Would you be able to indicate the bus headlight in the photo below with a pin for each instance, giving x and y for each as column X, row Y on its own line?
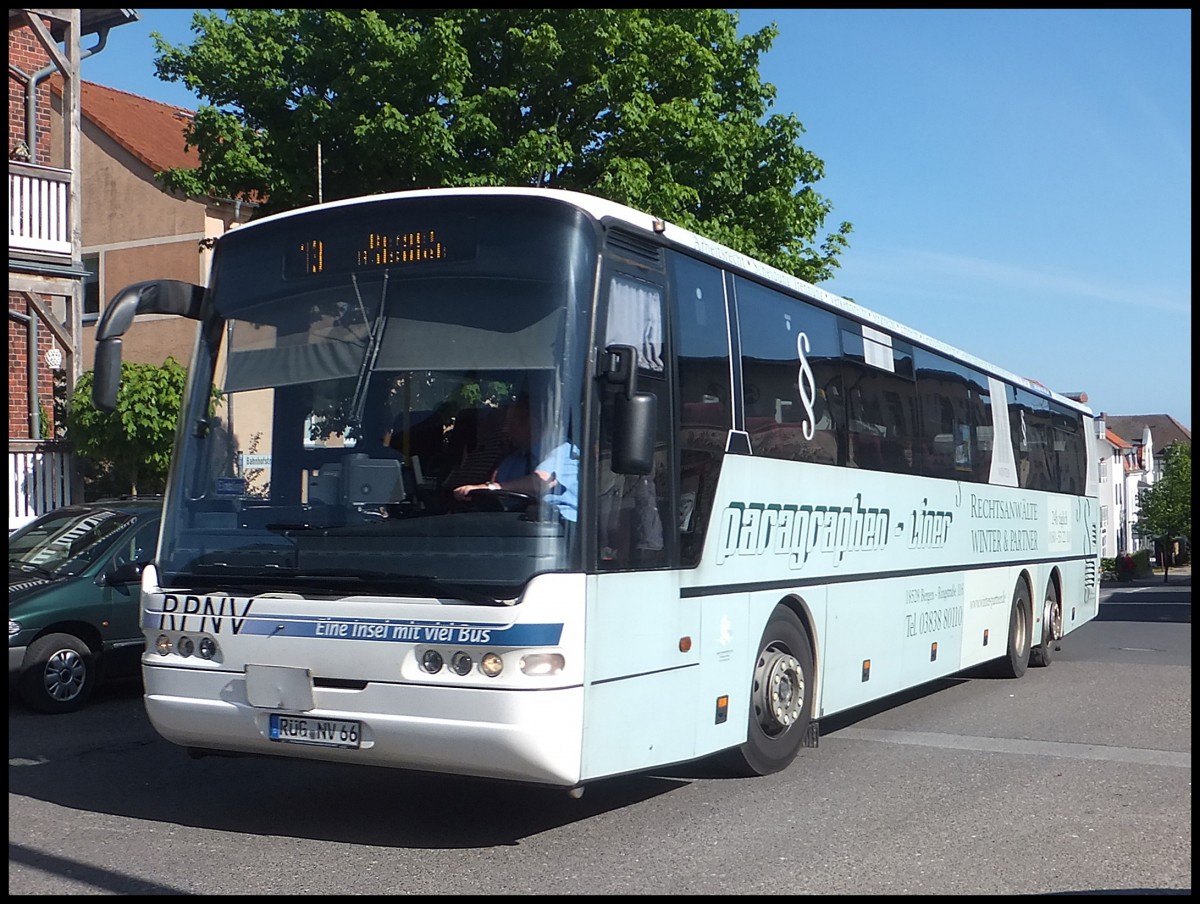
column 460, row 663
column 491, row 664
column 187, row 646
column 208, row 648
column 543, row 663
column 163, row 645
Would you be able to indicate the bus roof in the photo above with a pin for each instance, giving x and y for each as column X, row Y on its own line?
column 601, row 208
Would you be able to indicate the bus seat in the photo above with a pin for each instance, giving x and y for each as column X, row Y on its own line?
column 479, row 448
column 705, row 414
column 865, row 451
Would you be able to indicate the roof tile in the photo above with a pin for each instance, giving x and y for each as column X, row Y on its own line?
column 151, row 131
column 1164, row 429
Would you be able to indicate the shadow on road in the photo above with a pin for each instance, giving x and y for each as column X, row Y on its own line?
column 1145, row 612
column 107, row 758
column 1146, row 601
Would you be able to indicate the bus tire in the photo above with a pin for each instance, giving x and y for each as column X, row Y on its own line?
column 1016, row 659
column 58, row 674
column 1043, row 654
column 781, row 698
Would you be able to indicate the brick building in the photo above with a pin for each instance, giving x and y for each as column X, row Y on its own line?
column 87, row 217
column 45, row 273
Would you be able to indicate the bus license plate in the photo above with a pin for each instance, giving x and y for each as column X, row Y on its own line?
column 322, row 732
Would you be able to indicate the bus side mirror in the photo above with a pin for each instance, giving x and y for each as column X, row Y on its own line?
column 106, row 378
column 633, row 433
column 156, row 296
column 635, row 414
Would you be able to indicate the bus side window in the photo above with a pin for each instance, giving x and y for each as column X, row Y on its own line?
column 1070, row 450
column 955, row 420
column 704, row 416
column 789, row 359
column 1033, row 443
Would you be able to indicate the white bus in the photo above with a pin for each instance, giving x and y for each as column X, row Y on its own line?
column 756, row 504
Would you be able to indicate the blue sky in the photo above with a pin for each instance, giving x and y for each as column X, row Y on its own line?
column 1019, row 181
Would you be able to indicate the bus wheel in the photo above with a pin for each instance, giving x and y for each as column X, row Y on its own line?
column 58, row 674
column 781, row 698
column 1043, row 654
column 1016, row 660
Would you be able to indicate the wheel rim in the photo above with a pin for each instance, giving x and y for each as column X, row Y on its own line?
column 1022, row 631
column 1053, row 619
column 64, row 675
column 778, row 691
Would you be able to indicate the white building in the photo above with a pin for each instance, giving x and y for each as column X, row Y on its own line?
column 1139, row 475
column 1146, row 438
column 1111, row 450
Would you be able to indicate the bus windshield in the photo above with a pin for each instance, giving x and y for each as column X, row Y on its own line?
column 357, row 374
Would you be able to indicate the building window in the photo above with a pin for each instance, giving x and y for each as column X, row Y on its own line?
column 91, row 287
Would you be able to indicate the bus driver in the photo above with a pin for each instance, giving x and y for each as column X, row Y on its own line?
column 555, row 478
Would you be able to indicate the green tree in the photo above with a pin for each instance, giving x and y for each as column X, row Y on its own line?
column 134, row 441
column 1165, row 509
column 660, row 109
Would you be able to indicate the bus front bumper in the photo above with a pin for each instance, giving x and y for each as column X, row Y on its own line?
column 519, row 735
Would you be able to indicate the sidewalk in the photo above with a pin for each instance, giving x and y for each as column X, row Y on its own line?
column 1178, row 575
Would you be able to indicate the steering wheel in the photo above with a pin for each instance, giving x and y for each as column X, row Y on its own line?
column 500, row 500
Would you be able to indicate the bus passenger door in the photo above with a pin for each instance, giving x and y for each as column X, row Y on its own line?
column 633, row 509
column 637, row 659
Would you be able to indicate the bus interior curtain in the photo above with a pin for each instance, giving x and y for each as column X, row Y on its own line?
column 289, row 365
column 635, row 318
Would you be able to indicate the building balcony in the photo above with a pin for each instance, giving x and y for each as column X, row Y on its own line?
column 38, row 211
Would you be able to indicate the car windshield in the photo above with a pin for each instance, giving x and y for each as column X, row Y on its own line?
column 63, row 543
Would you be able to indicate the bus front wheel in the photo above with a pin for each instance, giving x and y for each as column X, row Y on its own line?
column 1016, row 659
column 781, row 698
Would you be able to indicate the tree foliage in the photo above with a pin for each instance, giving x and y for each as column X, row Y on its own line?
column 135, row 439
column 1165, row 509
column 660, row 109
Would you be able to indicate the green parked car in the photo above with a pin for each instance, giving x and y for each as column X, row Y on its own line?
column 74, row 582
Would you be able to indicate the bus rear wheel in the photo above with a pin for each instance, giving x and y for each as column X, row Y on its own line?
column 1043, row 654
column 781, row 698
column 1016, row 659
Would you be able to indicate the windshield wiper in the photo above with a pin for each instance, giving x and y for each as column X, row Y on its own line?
column 29, row 566
column 359, row 400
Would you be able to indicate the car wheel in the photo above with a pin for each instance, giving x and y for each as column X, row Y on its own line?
column 58, row 674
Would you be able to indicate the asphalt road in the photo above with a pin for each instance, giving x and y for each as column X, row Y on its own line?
column 1075, row 779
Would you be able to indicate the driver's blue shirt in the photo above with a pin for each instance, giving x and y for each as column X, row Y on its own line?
column 563, row 465
column 515, row 464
